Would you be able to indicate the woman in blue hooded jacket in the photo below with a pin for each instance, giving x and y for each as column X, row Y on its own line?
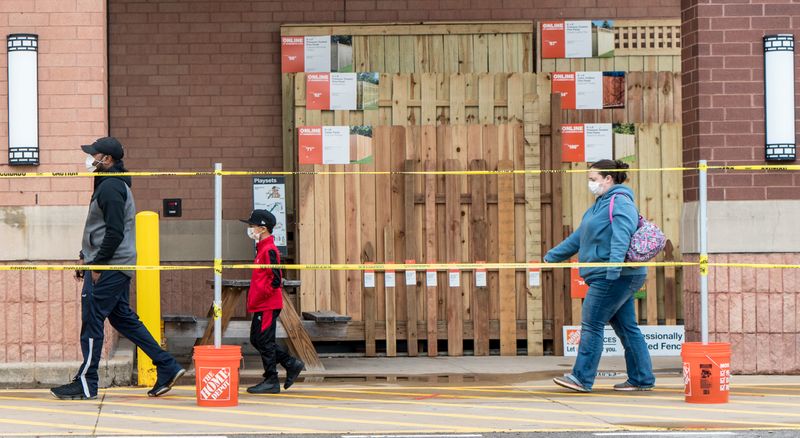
column 600, row 239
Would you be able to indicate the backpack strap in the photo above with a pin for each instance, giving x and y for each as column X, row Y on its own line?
column 611, row 207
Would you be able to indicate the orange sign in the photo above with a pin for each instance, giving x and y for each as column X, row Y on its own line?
column 318, row 91
column 578, row 287
column 573, row 143
column 292, row 54
column 310, row 145
column 553, row 39
column 564, row 83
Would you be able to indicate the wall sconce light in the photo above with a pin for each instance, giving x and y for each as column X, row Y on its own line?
column 779, row 97
column 23, row 100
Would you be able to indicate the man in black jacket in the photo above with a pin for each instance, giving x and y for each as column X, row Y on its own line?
column 109, row 239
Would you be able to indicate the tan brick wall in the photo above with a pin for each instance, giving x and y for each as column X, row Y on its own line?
column 755, row 310
column 41, row 310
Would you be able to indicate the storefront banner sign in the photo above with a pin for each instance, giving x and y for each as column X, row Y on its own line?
column 662, row 340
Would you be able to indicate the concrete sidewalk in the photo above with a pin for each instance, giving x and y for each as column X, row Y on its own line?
column 413, row 404
column 474, row 368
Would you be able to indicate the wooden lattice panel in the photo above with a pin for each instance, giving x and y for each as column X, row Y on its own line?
column 647, row 37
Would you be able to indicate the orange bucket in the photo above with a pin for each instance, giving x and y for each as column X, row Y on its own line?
column 706, row 372
column 217, row 375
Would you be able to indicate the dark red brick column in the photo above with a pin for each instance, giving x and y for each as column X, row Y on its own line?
column 751, row 214
column 723, row 93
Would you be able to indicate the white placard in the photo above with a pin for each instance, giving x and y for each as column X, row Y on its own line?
column 369, row 279
column 577, row 38
column 269, row 193
column 318, row 53
column 588, row 90
column 480, row 278
column 598, row 140
column 411, row 278
column 454, row 278
column 534, row 278
column 343, row 91
column 335, row 145
column 389, row 279
column 662, row 340
column 430, row 278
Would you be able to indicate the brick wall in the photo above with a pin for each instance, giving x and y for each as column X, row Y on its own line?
column 754, row 310
column 198, row 81
column 723, row 93
column 41, row 310
column 72, row 94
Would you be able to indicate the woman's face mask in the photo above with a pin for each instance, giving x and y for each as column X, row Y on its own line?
column 598, row 185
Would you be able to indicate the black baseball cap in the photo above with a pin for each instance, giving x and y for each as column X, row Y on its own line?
column 107, row 146
column 262, row 218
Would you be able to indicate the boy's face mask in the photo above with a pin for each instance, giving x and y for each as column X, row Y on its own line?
column 254, row 234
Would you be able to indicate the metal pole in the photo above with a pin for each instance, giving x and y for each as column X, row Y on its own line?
column 217, row 255
column 703, row 225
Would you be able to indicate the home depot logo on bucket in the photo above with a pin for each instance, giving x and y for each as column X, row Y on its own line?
column 724, row 377
column 216, row 383
column 687, row 378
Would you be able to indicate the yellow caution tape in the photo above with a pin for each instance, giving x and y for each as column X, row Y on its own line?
column 704, row 264
column 219, row 266
column 758, row 167
column 91, row 174
column 391, row 172
column 448, row 266
column 217, row 311
column 98, row 268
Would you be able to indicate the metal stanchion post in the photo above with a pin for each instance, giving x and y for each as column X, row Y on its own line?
column 703, row 233
column 217, row 255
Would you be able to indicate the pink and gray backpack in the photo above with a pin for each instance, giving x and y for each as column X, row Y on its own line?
column 647, row 241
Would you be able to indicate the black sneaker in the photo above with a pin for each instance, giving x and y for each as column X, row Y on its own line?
column 163, row 385
column 292, row 372
column 265, row 387
column 628, row 386
column 71, row 391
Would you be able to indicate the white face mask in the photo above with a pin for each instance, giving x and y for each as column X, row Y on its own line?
column 251, row 233
column 90, row 166
column 596, row 188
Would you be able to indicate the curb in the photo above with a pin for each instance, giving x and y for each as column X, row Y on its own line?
column 114, row 371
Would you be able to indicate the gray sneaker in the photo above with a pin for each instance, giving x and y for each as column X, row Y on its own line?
column 628, row 386
column 570, row 383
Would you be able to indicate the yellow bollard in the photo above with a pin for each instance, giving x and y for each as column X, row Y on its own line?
column 148, row 289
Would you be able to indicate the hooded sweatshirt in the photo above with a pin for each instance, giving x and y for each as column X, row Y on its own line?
column 109, row 236
column 600, row 240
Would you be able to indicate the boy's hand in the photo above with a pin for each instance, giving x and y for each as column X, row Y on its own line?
column 95, row 277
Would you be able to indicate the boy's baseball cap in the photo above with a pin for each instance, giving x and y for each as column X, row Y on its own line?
column 107, row 146
column 262, row 218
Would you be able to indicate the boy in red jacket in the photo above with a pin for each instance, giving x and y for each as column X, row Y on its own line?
column 265, row 301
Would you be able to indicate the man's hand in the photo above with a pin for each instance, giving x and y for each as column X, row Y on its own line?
column 95, row 277
column 79, row 273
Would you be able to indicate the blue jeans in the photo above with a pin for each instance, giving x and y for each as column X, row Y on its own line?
column 611, row 301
